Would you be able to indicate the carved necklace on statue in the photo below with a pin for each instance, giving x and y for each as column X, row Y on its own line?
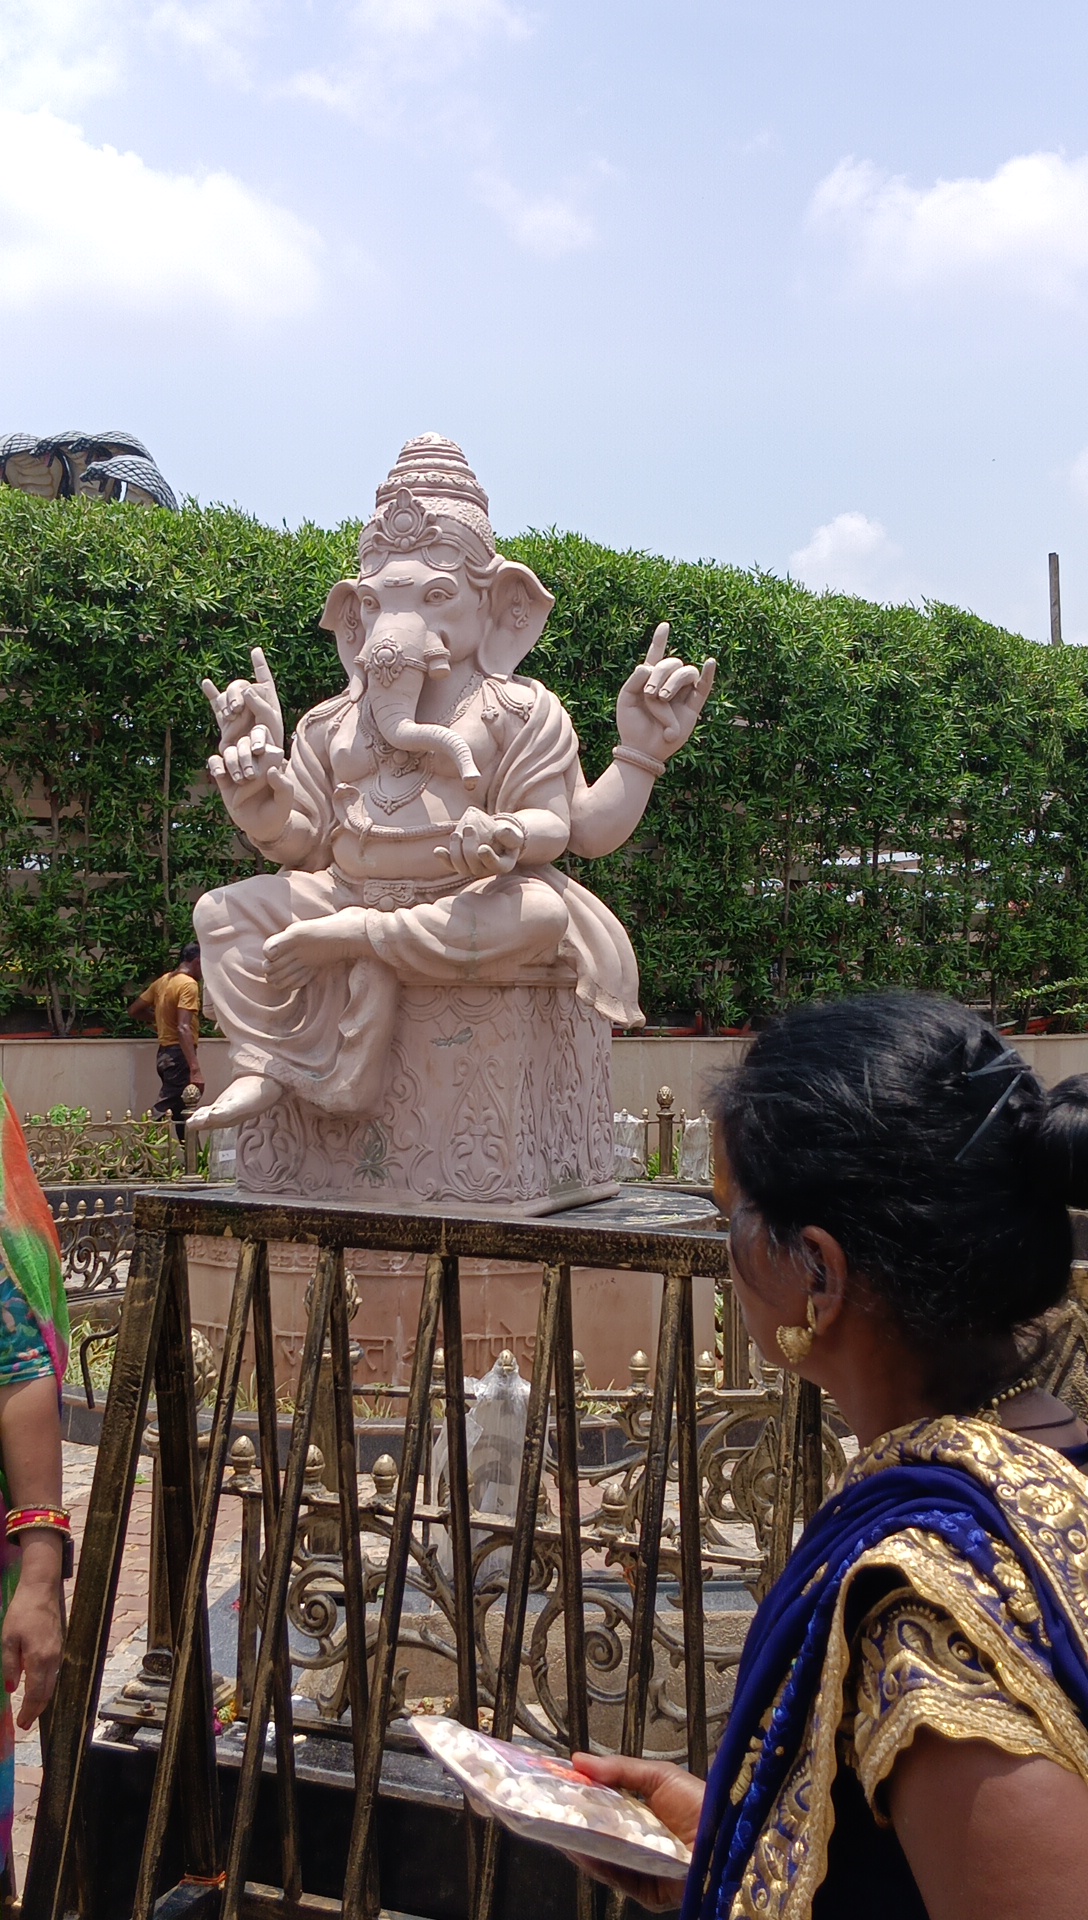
column 408, row 771
column 503, row 691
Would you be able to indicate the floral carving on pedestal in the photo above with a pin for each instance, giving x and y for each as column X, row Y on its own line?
column 498, row 1096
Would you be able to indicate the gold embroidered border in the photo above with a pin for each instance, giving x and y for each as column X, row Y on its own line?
column 911, row 1674
column 1046, row 1501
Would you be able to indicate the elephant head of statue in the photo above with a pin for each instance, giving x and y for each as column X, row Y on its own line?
column 431, row 593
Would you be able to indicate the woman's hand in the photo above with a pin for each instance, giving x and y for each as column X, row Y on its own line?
column 673, row 1794
column 33, row 1633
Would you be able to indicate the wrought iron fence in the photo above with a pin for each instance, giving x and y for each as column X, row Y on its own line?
column 608, row 1609
column 81, row 1151
column 581, row 1616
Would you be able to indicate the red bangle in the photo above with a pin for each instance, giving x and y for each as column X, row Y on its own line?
column 23, row 1519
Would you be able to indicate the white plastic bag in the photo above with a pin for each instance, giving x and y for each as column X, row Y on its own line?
column 628, row 1147
column 495, row 1439
column 540, row 1796
column 695, row 1151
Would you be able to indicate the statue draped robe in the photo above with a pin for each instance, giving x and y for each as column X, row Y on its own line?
column 328, row 1041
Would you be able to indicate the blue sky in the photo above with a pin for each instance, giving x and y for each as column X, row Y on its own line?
column 790, row 284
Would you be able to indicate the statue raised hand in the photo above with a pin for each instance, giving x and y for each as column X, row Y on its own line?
column 656, row 713
column 249, row 768
column 659, row 705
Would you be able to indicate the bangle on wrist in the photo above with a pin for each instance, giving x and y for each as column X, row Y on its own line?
column 635, row 758
column 43, row 1520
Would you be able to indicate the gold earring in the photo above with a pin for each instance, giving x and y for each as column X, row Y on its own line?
column 796, row 1342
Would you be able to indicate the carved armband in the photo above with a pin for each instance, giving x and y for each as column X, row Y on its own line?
column 635, row 758
column 511, row 820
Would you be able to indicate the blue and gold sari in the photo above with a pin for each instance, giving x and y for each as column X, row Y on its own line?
column 944, row 1583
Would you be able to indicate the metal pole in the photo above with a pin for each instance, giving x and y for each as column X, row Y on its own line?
column 1055, row 603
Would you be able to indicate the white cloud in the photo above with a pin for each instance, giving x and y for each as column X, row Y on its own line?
column 1026, row 226
column 421, row 19
column 59, row 53
column 850, row 554
column 393, row 51
column 86, row 223
column 220, row 33
column 544, row 224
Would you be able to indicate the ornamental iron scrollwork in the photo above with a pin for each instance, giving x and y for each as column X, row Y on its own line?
column 737, row 1446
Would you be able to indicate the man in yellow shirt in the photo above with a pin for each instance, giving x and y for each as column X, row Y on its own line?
column 173, row 1002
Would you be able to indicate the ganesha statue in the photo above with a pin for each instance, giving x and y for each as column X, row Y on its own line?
column 419, row 1002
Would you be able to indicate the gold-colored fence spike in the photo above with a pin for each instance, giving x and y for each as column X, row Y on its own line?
column 243, row 1458
column 385, row 1476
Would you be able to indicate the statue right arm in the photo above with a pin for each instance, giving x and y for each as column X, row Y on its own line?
column 281, row 805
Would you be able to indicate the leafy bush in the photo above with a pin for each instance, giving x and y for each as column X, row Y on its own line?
column 908, row 802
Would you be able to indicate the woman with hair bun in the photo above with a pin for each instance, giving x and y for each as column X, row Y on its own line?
column 909, row 1734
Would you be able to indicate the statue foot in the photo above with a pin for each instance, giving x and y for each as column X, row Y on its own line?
column 250, row 1094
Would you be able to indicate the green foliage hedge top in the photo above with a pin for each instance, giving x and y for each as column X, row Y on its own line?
column 908, row 802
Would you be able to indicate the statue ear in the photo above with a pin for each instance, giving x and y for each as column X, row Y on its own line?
column 518, row 605
column 341, row 616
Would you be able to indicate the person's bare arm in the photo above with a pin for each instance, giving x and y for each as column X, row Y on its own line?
column 142, row 1008
column 988, row 1835
column 187, row 1039
column 33, row 1633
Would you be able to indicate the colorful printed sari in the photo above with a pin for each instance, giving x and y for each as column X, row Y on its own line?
column 30, row 1258
column 989, row 1531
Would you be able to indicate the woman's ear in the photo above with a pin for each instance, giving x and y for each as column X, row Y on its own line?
column 518, row 606
column 825, row 1260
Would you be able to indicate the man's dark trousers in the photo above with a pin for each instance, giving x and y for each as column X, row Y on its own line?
column 173, row 1071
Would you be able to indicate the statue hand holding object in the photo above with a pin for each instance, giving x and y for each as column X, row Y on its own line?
column 481, row 845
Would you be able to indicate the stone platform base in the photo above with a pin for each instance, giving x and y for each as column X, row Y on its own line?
column 497, row 1097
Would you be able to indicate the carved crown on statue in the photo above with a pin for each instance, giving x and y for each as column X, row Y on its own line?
column 419, row 1003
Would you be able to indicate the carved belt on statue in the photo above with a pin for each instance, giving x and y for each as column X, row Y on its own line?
column 387, row 895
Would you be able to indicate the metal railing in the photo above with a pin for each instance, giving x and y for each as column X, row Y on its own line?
column 608, row 1610
column 582, row 1617
column 83, row 1151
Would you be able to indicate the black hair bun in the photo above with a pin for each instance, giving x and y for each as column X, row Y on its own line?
column 1061, row 1140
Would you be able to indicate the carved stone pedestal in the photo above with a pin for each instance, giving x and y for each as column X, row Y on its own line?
column 496, row 1097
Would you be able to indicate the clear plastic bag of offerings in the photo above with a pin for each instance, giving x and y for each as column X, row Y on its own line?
column 542, row 1797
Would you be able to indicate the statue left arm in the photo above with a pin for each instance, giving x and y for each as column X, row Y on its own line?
column 483, row 844
column 655, row 716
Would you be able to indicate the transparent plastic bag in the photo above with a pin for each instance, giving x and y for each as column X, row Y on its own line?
column 495, row 1438
column 695, row 1151
column 542, row 1797
column 628, row 1146
column 223, row 1154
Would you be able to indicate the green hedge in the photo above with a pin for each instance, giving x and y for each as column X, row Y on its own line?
column 773, row 862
